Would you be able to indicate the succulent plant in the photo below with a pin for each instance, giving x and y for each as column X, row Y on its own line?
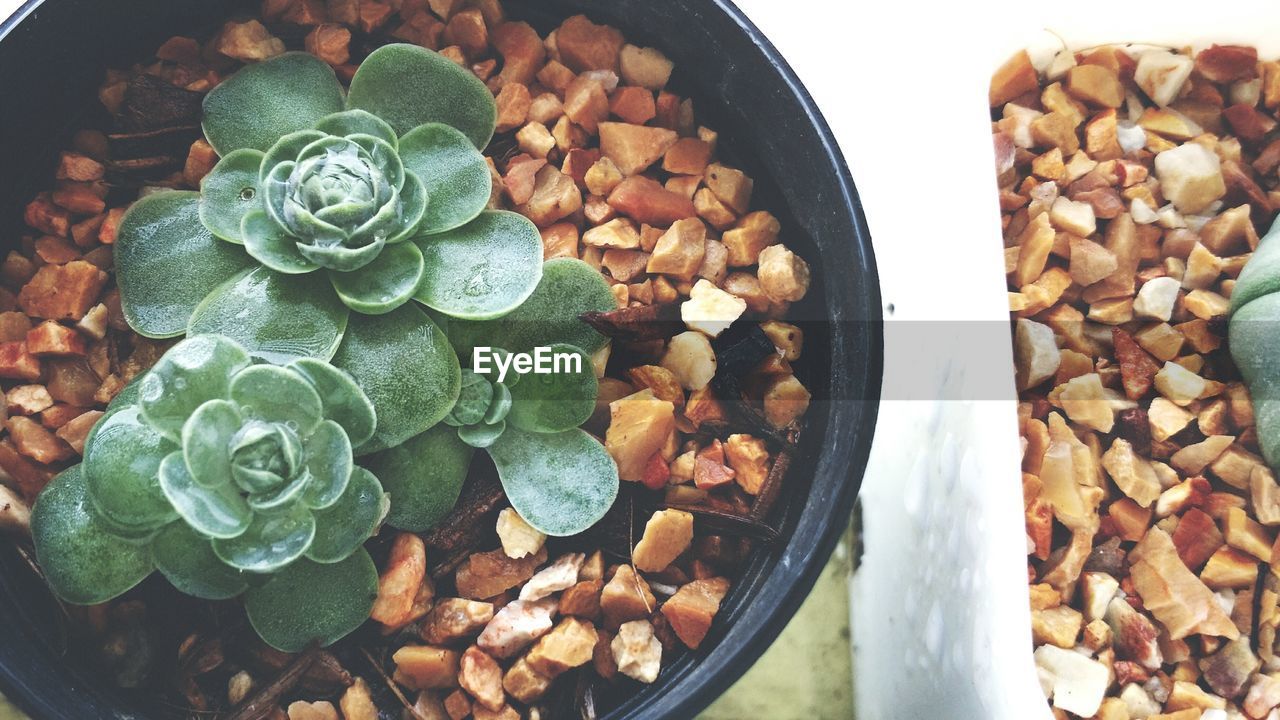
column 560, row 479
column 557, row 477
column 326, row 215
column 1254, row 338
column 229, row 477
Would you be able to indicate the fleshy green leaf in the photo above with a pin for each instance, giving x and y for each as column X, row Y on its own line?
column 343, row 527
column 187, row 561
column 557, row 401
column 384, row 157
column 328, row 458
column 311, row 601
column 414, row 201
column 286, row 150
column 273, row 500
column 453, row 171
column 265, row 101
column 272, row 541
column 474, row 398
column 167, row 261
column 276, row 317
column 406, row 367
column 500, row 407
column 423, row 476
column 122, row 465
column 206, row 441
column 342, row 258
column 358, row 122
column 82, row 560
column 344, row 402
column 278, row 395
column 191, row 373
column 560, row 483
column 1255, row 347
column 270, row 245
column 568, row 288
column 214, row 512
column 482, row 435
column 384, row 284
column 408, row 86
column 483, row 269
column 230, row 192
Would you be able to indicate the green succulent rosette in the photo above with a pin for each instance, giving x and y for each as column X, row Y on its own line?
column 557, row 477
column 332, row 220
column 230, row 478
column 350, row 226
column 560, row 479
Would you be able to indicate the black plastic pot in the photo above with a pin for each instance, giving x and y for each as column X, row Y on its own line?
column 52, row 55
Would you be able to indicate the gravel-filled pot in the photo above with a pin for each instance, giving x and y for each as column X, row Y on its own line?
column 52, row 53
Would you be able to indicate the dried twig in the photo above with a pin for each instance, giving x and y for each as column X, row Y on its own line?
column 260, row 704
column 719, row 522
column 639, row 323
column 395, row 689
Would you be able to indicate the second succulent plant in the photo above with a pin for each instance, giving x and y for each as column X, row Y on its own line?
column 228, row 477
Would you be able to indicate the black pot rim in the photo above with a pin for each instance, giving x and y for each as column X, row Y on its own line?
column 43, row 694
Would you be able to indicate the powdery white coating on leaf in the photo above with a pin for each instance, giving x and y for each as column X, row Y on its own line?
column 270, row 99
column 384, row 284
column 272, row 541
column 329, row 460
column 274, row 394
column 403, row 362
column 289, row 613
column 206, row 441
column 229, row 193
column 408, row 86
column 122, row 462
column 483, row 269
column 187, row 561
column 270, row 245
column 423, row 476
column 214, row 512
column 344, row 526
column 567, row 289
column 82, row 561
column 344, row 402
column 560, row 483
column 167, row 262
column 358, row 122
column 278, row 318
column 191, row 373
column 453, row 172
column 556, row 401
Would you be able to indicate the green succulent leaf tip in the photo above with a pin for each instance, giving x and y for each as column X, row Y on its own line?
column 480, row 414
column 1254, row 339
column 225, row 469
